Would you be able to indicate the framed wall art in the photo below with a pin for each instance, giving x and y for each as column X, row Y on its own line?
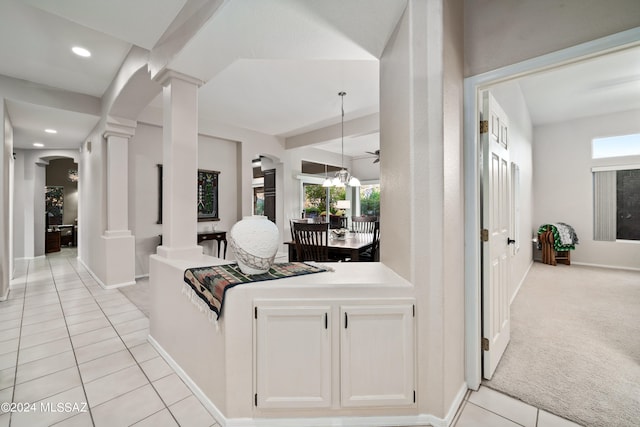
column 207, row 195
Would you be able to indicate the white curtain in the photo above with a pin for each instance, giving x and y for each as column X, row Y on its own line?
column 604, row 200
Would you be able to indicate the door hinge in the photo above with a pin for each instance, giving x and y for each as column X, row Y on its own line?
column 484, row 126
column 485, row 344
column 484, row 235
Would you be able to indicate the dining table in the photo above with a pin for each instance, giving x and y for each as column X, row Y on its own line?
column 350, row 246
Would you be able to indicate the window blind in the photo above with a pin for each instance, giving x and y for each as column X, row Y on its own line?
column 604, row 199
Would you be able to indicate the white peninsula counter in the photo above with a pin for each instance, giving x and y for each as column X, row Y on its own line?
column 330, row 348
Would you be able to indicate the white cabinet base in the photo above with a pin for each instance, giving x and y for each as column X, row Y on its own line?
column 330, row 354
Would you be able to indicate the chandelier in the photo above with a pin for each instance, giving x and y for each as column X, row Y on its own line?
column 342, row 177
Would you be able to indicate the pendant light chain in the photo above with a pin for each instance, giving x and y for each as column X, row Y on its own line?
column 342, row 94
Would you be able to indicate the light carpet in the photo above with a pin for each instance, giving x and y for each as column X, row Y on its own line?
column 575, row 345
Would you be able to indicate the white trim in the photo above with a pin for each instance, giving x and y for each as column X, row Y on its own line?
column 6, row 294
column 614, row 168
column 524, row 277
column 209, row 406
column 613, row 267
column 338, row 421
column 472, row 85
column 141, row 276
column 100, row 282
column 31, row 258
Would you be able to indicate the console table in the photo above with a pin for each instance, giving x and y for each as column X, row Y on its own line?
column 219, row 236
column 52, row 241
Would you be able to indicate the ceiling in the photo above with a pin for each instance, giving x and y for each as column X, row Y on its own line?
column 273, row 66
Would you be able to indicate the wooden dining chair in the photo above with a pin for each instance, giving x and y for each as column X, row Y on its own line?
column 373, row 254
column 312, row 241
column 297, row 220
column 363, row 224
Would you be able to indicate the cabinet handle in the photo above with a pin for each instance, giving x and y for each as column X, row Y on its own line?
column 326, row 321
column 346, row 320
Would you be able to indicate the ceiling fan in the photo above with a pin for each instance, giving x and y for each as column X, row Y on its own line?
column 377, row 154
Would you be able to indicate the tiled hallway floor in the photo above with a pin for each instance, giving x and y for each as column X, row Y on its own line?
column 65, row 340
column 79, row 355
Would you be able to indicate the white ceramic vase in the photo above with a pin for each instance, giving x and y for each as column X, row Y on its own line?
column 254, row 241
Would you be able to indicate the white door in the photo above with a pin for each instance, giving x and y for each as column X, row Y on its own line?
column 377, row 355
column 495, row 222
column 293, row 357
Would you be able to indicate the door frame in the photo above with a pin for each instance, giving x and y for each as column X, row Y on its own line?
column 472, row 173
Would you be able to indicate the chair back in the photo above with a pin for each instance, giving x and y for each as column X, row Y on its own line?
column 363, row 224
column 375, row 249
column 312, row 241
column 297, row 220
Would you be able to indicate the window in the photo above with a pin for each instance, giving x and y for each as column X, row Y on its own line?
column 616, row 146
column 617, row 189
column 370, row 200
column 315, row 199
column 628, row 204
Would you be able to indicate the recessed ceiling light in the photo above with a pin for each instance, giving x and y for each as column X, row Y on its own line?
column 51, row 131
column 38, row 144
column 80, row 51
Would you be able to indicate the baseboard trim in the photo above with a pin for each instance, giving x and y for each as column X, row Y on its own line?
column 347, row 421
column 524, row 277
column 6, row 295
column 100, row 282
column 612, row 267
column 208, row 404
column 30, row 258
column 455, row 405
column 142, row 276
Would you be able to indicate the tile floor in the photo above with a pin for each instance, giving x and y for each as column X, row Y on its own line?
column 80, row 354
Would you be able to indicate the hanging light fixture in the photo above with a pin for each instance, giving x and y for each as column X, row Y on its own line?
column 327, row 181
column 343, row 177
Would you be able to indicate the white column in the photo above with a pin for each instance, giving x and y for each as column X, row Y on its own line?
column 180, row 166
column 118, row 243
column 117, row 133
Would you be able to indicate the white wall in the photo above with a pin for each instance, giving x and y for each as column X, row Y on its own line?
column 501, row 33
column 563, row 183
column 365, row 170
column 92, row 203
column 510, row 97
column 145, row 153
column 421, row 188
column 6, row 146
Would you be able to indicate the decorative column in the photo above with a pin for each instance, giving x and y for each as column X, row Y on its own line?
column 180, row 166
column 118, row 242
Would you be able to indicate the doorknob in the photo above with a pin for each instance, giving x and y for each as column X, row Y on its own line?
column 510, row 241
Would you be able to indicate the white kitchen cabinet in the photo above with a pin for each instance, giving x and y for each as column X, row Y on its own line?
column 293, row 357
column 373, row 364
column 377, row 355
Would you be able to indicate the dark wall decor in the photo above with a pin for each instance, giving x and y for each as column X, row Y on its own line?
column 54, row 202
column 207, row 196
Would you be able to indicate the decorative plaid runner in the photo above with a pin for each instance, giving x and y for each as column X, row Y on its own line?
column 210, row 284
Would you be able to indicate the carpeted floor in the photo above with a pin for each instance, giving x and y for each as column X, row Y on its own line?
column 575, row 345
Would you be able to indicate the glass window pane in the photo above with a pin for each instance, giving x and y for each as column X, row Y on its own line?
column 370, row 200
column 628, row 204
column 616, row 146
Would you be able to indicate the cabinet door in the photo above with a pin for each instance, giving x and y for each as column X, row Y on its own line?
column 377, row 355
column 293, row 357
